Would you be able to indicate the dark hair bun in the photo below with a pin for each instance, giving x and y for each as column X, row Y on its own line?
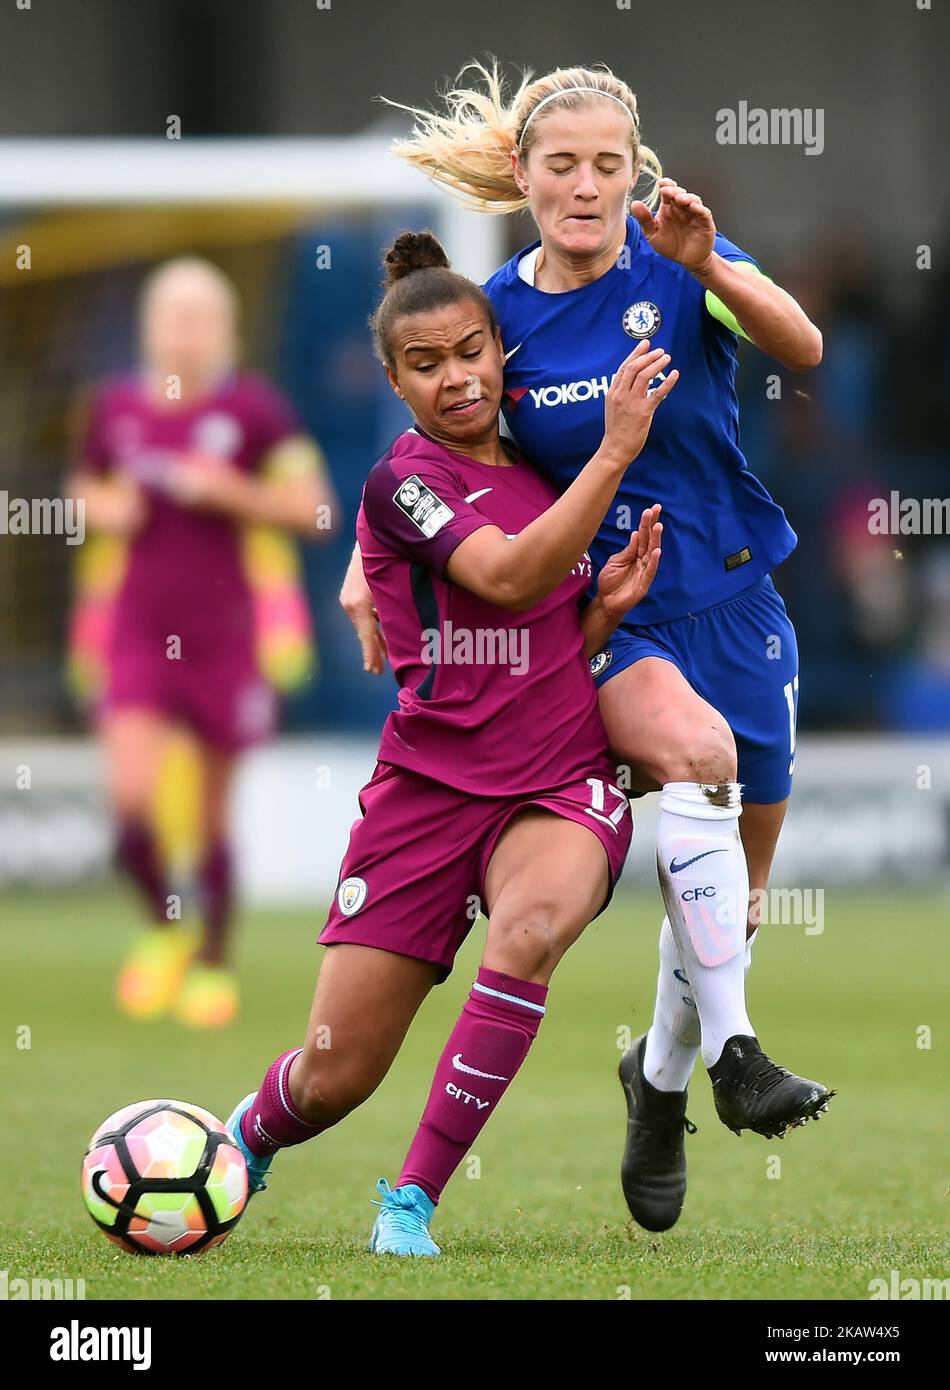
column 413, row 251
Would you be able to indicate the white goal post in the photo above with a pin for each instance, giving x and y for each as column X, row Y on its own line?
column 345, row 171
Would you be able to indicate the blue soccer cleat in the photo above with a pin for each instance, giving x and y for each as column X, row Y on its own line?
column 402, row 1226
column 256, row 1166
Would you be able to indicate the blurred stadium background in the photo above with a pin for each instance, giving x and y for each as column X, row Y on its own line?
column 283, row 151
column 98, row 209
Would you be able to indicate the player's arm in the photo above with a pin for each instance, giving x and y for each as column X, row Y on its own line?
column 114, row 505
column 748, row 302
column 684, row 231
column 624, row 580
column 516, row 573
column 294, row 491
column 111, row 501
column 356, row 599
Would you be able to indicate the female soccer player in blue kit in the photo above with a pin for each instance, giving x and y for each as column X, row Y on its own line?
column 699, row 693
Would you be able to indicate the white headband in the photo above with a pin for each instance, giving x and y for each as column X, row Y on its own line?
column 567, row 90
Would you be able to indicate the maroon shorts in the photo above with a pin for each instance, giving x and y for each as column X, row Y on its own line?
column 217, row 692
column 413, row 878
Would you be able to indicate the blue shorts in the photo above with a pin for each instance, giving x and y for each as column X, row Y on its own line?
column 742, row 657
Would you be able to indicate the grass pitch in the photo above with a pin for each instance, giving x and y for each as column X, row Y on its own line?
column 541, row 1214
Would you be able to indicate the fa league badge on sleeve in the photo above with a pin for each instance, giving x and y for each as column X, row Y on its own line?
column 424, row 508
column 642, row 319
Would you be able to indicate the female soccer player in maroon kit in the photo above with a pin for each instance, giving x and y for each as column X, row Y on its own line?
column 171, row 460
column 493, row 783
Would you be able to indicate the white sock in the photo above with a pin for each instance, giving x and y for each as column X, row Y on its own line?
column 705, row 884
column 674, row 1037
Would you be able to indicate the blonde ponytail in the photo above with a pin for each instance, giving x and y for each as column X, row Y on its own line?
column 467, row 148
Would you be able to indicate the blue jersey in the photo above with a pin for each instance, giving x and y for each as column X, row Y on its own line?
column 723, row 531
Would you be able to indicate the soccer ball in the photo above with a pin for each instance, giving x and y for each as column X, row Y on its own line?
column 164, row 1177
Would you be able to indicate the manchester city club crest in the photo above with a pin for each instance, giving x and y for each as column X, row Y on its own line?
column 600, row 662
column 642, row 320
column 352, row 895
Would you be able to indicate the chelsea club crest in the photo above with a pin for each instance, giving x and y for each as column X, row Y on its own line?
column 642, row 320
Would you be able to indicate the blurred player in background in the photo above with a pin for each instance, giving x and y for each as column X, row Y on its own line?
column 179, row 459
column 699, row 691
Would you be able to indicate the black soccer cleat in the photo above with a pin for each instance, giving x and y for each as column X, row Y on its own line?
column 653, row 1172
column 751, row 1092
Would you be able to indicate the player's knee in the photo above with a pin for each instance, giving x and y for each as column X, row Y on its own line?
column 704, row 752
column 526, row 939
column 131, row 799
column 712, row 754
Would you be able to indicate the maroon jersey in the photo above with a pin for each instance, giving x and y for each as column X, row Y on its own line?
column 185, row 572
column 492, row 702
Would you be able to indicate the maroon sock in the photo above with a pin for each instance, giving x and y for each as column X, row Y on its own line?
column 216, row 887
column 137, row 853
column 272, row 1120
column 488, row 1044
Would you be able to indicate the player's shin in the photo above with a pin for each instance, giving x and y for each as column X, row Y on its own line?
column 152, row 972
column 217, row 901
column 209, row 994
column 487, row 1046
column 673, row 1041
column 138, row 854
column 705, row 884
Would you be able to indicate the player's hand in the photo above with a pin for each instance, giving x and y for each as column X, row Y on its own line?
column 683, row 229
column 630, row 402
column 194, row 480
column 128, row 508
column 356, row 600
column 115, row 505
column 626, row 577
